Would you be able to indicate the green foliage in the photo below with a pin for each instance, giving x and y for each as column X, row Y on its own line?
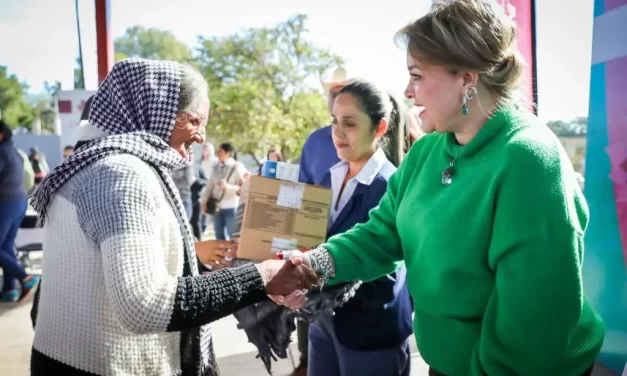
column 150, row 44
column 575, row 128
column 15, row 110
column 264, row 87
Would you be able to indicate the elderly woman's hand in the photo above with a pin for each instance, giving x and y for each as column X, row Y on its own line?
column 283, row 278
column 214, row 252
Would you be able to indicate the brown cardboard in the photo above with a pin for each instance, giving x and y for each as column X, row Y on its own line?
column 280, row 215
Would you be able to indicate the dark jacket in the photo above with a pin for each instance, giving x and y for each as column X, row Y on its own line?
column 11, row 173
column 383, row 306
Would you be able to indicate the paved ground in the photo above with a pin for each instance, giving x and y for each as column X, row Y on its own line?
column 236, row 356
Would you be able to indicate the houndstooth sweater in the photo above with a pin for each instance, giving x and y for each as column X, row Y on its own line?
column 118, row 297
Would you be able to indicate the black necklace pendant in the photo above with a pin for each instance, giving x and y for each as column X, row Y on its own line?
column 447, row 176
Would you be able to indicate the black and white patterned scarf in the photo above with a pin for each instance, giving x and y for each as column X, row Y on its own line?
column 137, row 106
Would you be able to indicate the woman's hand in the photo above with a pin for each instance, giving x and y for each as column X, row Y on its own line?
column 282, row 278
column 295, row 300
column 213, row 252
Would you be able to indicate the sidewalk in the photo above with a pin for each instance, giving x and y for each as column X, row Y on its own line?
column 236, row 356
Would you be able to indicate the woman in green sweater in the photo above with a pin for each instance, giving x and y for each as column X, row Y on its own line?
column 486, row 213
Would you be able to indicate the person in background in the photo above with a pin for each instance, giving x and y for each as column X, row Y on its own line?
column 29, row 174
column 206, row 164
column 67, row 151
column 184, row 178
column 317, row 157
column 486, row 213
column 273, row 155
column 39, row 164
column 369, row 132
column 13, row 205
column 221, row 196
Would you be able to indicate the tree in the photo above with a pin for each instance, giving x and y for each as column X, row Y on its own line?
column 15, row 110
column 264, row 86
column 577, row 127
column 150, row 43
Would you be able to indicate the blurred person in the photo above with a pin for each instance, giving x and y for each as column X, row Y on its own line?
column 39, row 164
column 68, row 151
column 183, row 179
column 272, row 155
column 221, row 196
column 207, row 163
column 13, row 205
column 123, row 292
column 486, row 213
column 369, row 133
column 29, row 174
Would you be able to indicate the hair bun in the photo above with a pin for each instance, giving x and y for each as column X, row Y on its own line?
column 509, row 71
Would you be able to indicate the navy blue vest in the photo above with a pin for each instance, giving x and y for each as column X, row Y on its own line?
column 380, row 314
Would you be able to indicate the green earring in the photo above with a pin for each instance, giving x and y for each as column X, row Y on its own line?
column 468, row 95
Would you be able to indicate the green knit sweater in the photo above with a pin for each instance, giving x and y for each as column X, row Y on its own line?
column 494, row 259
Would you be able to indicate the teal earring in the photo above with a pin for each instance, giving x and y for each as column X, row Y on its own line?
column 470, row 93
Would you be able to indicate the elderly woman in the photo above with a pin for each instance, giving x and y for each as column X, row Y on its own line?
column 486, row 213
column 122, row 292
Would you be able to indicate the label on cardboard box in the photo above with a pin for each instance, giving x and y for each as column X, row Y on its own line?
column 290, row 195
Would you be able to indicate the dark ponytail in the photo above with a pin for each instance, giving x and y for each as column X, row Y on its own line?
column 380, row 105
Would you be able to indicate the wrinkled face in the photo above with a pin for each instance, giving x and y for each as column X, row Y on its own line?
column 189, row 128
column 354, row 136
column 438, row 92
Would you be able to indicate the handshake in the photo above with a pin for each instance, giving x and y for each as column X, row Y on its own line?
column 287, row 281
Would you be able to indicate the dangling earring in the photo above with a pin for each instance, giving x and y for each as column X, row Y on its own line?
column 470, row 93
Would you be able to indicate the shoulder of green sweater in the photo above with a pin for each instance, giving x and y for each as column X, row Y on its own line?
column 535, row 168
column 528, row 143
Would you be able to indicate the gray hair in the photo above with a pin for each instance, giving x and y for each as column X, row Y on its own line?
column 193, row 88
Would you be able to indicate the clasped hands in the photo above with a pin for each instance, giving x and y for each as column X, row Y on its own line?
column 286, row 281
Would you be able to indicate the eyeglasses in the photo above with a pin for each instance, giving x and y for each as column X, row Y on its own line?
column 197, row 120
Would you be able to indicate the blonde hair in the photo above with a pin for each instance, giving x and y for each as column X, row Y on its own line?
column 468, row 35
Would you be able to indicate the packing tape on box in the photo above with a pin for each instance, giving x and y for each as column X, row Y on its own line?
column 290, row 195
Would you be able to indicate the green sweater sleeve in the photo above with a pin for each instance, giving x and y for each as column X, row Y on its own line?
column 373, row 249
column 536, row 252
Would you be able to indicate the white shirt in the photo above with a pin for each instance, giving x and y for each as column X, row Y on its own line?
column 377, row 164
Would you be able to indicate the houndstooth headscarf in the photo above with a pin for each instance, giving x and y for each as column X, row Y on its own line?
column 136, row 105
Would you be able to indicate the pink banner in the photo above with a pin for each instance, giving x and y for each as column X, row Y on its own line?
column 522, row 12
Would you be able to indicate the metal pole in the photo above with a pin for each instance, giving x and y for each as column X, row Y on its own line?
column 80, row 46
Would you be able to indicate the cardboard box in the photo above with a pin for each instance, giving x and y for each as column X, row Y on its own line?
column 276, row 215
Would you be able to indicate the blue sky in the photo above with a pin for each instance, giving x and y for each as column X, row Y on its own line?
column 39, row 37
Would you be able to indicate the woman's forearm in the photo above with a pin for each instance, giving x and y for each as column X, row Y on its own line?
column 207, row 298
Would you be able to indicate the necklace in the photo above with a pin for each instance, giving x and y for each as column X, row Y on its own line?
column 447, row 174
